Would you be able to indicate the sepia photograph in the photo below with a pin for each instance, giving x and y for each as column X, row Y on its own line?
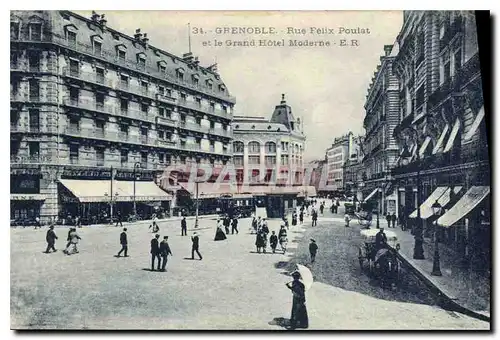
column 250, row 170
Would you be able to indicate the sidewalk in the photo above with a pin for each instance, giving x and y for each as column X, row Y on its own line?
column 453, row 284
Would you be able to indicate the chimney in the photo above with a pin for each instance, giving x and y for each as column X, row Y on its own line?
column 196, row 61
column 283, row 101
column 103, row 21
column 188, row 57
column 138, row 34
column 94, row 16
column 387, row 49
column 145, row 39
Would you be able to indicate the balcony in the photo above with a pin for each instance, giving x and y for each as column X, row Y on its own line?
column 32, row 159
column 166, row 143
column 165, row 121
column 144, row 139
column 87, row 104
column 194, row 127
column 135, row 114
column 199, row 108
column 89, row 77
column 26, row 129
column 165, row 98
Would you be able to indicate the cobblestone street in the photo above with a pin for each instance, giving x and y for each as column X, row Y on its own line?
column 233, row 287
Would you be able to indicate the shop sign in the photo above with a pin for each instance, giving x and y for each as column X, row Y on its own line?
column 27, row 197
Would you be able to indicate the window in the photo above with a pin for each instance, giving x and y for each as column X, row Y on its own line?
column 97, row 48
column 34, row 90
column 254, row 147
column 123, row 104
column 99, row 155
column 124, row 81
column 224, row 108
column 161, row 111
column 74, row 124
column 198, row 101
column 169, row 92
column 161, row 134
column 238, row 160
column 74, row 94
column 122, row 55
column 99, row 100
column 194, row 79
column 124, row 128
column 14, row 117
column 212, row 107
column 34, row 149
column 14, row 30
column 14, row 59
column 144, row 159
column 161, row 158
column 162, row 68
column 420, row 96
column 198, row 121
column 74, row 68
column 270, row 160
column 284, row 159
column 141, row 62
column 124, row 157
column 144, row 108
column 212, row 125
column 168, row 113
column 99, row 75
column 457, row 61
column 144, row 131
column 161, row 90
column 183, row 118
column 144, row 87
column 36, row 32
column 179, row 74
column 34, row 61
column 99, row 125
column 183, row 97
column 71, row 36
column 270, row 147
column 34, row 120
column 253, row 160
column 74, row 153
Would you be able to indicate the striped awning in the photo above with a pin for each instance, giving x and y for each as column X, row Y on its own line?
column 464, row 206
column 440, row 141
column 440, row 194
column 371, row 195
column 475, row 124
column 453, row 135
column 424, row 146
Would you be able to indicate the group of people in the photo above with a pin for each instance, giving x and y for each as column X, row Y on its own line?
column 391, row 219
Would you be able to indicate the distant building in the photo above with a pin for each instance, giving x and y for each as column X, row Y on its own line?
column 316, row 174
column 336, row 156
column 353, row 167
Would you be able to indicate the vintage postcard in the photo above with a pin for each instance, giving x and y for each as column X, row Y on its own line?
column 250, row 170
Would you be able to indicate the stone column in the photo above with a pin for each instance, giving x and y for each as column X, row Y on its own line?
column 48, row 187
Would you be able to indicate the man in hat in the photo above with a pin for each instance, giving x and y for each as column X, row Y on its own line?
column 273, row 241
column 164, row 251
column 234, row 225
column 183, row 226
column 196, row 245
column 155, row 252
column 313, row 249
column 123, row 242
column 51, row 239
column 299, row 318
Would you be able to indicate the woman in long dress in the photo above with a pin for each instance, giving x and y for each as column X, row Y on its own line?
column 219, row 234
column 299, row 318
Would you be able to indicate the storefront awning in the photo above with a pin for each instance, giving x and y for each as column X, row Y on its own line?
column 27, row 197
column 424, row 146
column 371, row 195
column 453, row 135
column 441, row 194
column 440, row 141
column 209, row 190
column 464, row 206
column 88, row 191
column 475, row 124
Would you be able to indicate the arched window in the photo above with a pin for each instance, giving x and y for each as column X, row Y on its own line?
column 254, row 147
column 270, row 147
column 238, row 147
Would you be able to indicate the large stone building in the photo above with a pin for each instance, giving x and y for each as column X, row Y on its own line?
column 380, row 147
column 353, row 167
column 268, row 155
column 90, row 104
column 442, row 132
column 336, row 156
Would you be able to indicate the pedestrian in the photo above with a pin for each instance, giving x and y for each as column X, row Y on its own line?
column 313, row 249
column 155, row 252
column 73, row 242
column 183, row 226
column 119, row 220
column 294, row 218
column 234, row 225
column 265, row 228
column 347, row 219
column 124, row 243
column 254, row 224
column 299, row 318
column 301, row 217
column 227, row 223
column 273, row 241
column 314, row 218
column 51, row 239
column 164, row 252
column 393, row 219
column 219, row 234
column 38, row 225
column 380, row 239
column 259, row 241
column 283, row 238
column 195, row 246
column 321, row 208
column 285, row 221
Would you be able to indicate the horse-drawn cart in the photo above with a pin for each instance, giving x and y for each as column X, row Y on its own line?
column 381, row 260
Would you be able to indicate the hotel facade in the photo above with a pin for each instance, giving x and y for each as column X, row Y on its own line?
column 96, row 115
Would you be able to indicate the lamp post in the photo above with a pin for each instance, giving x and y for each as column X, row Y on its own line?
column 110, row 204
column 136, row 165
column 197, row 206
column 418, row 250
column 379, row 194
column 436, row 266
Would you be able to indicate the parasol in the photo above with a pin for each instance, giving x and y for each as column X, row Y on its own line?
column 305, row 276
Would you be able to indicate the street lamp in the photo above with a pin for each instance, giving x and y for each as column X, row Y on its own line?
column 136, row 166
column 418, row 250
column 379, row 194
column 436, row 267
column 110, row 204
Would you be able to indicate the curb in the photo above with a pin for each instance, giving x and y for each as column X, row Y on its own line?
column 444, row 299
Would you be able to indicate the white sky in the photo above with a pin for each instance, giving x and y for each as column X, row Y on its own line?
column 325, row 86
